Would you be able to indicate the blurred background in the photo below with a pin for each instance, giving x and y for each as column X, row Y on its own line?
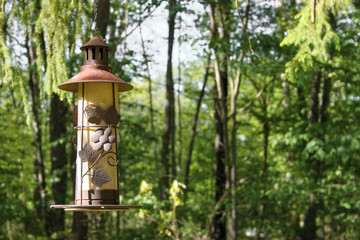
column 243, row 122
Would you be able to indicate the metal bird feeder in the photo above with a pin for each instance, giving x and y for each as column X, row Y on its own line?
column 96, row 118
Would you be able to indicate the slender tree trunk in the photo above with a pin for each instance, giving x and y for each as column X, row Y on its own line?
column 314, row 99
column 222, row 170
column 325, row 101
column 122, row 29
column 40, row 193
column 286, row 92
column 170, row 84
column 169, row 125
column 194, row 124
column 153, row 136
column 58, row 156
column 233, row 213
column 179, row 105
column 235, row 85
column 221, row 50
column 325, row 98
column 219, row 218
column 235, row 88
column 266, row 132
column 103, row 16
column 80, row 226
column 98, row 220
column 58, row 110
column 308, row 232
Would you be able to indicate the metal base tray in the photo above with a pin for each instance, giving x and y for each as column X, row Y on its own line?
column 95, row 208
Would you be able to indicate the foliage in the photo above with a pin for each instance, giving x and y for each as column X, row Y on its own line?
column 284, row 161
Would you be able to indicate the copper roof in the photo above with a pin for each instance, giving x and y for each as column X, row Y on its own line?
column 93, row 74
column 94, row 42
column 95, row 69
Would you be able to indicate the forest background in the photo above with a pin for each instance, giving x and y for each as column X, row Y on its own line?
column 242, row 123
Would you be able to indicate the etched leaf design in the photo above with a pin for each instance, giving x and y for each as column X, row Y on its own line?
column 95, row 115
column 112, row 116
column 87, row 154
column 100, row 177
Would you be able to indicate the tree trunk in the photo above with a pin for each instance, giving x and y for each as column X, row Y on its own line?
column 80, row 226
column 235, row 88
column 222, row 168
column 98, row 220
column 219, row 219
column 58, row 121
column 266, row 132
column 179, row 106
column 233, row 178
column 286, row 92
column 308, row 232
column 40, row 194
column 194, row 124
column 317, row 116
column 169, row 125
column 150, row 93
column 103, row 16
column 325, row 98
column 314, row 99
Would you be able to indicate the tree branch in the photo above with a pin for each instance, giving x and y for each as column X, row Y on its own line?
column 255, row 98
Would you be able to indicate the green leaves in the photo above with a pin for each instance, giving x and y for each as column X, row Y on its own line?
column 174, row 193
column 295, row 153
column 355, row 144
column 314, row 35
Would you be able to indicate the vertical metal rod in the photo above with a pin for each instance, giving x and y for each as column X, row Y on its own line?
column 82, row 138
column 116, row 150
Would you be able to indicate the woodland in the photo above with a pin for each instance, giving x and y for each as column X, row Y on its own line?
column 250, row 134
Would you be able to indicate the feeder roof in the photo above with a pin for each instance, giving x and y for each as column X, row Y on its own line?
column 95, row 69
column 94, row 42
column 91, row 73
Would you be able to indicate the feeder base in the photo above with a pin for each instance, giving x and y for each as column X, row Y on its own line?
column 95, row 208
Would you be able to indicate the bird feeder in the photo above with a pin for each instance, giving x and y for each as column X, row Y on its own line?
column 96, row 119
